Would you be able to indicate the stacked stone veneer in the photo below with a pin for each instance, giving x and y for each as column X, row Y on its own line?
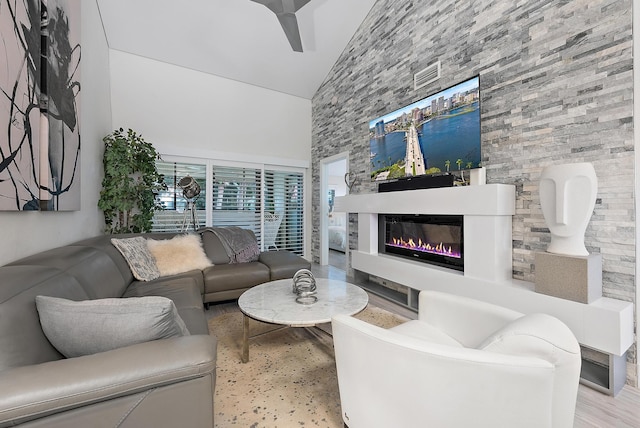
column 556, row 87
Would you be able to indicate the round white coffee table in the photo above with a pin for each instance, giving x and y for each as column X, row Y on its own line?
column 274, row 302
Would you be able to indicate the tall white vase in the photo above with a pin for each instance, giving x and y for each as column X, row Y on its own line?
column 567, row 197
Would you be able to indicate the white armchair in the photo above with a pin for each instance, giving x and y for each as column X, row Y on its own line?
column 463, row 363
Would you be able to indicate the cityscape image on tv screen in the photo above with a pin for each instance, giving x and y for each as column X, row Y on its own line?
column 438, row 134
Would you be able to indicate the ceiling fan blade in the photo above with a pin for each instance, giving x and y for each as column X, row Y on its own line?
column 285, row 11
column 297, row 4
column 289, row 24
column 275, row 6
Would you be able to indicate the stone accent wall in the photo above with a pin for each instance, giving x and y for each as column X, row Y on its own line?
column 556, row 87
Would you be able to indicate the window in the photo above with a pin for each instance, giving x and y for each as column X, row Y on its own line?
column 268, row 200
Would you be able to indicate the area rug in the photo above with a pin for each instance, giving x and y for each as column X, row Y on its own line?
column 290, row 379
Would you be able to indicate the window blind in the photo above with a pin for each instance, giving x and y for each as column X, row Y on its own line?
column 236, row 197
column 283, row 201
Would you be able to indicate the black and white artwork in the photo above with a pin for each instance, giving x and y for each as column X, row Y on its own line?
column 39, row 105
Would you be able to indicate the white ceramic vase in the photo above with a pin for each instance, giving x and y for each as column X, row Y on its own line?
column 567, row 197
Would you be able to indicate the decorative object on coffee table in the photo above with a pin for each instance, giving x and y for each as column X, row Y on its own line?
column 567, row 198
column 304, row 287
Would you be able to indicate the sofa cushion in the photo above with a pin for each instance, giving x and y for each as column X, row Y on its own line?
column 185, row 294
column 141, row 262
column 179, row 254
column 213, row 247
column 283, row 264
column 240, row 245
column 234, row 276
column 77, row 328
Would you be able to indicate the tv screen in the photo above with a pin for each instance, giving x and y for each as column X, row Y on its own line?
column 436, row 135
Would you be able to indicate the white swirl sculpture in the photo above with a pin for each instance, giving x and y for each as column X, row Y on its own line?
column 567, row 198
column 304, row 287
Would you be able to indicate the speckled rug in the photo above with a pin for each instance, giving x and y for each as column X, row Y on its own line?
column 290, row 379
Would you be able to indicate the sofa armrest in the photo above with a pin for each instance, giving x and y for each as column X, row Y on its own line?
column 468, row 321
column 31, row 392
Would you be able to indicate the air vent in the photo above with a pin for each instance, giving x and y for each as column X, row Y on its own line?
column 426, row 76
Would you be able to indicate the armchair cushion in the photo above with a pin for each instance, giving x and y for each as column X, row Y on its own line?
column 92, row 326
column 423, row 331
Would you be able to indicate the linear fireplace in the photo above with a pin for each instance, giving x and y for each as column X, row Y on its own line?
column 435, row 239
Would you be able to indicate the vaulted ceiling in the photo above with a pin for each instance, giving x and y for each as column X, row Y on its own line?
column 236, row 39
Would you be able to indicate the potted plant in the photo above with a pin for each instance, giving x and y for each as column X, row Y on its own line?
column 131, row 182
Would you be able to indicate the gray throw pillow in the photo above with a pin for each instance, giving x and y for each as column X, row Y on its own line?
column 92, row 326
column 140, row 260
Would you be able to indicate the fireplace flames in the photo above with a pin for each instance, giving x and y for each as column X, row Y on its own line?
column 425, row 247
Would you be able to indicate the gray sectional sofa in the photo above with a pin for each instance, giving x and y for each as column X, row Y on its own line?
column 161, row 383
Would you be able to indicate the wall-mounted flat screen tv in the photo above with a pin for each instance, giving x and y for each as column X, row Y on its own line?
column 436, row 135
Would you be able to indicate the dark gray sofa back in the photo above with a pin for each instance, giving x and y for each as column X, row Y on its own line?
column 22, row 341
column 90, row 269
column 213, row 247
column 97, row 271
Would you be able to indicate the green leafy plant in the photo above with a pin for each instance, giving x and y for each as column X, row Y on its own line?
column 131, row 182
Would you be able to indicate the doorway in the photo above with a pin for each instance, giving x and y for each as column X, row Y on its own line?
column 334, row 226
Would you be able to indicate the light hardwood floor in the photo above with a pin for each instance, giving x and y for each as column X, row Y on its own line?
column 593, row 409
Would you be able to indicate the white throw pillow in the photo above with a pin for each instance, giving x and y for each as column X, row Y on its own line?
column 179, row 254
column 92, row 326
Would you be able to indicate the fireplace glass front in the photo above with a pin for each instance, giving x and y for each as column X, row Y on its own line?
column 435, row 239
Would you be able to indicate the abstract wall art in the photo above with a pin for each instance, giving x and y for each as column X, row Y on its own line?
column 39, row 105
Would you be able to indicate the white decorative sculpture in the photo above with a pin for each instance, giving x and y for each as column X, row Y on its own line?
column 567, row 197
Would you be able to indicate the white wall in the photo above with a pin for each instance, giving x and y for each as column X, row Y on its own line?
column 26, row 233
column 184, row 112
column 336, row 171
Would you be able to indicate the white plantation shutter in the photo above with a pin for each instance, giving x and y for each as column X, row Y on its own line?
column 283, row 197
column 236, row 197
column 173, row 215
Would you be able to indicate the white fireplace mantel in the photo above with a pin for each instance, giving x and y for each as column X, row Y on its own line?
column 486, row 200
column 605, row 325
column 487, row 211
